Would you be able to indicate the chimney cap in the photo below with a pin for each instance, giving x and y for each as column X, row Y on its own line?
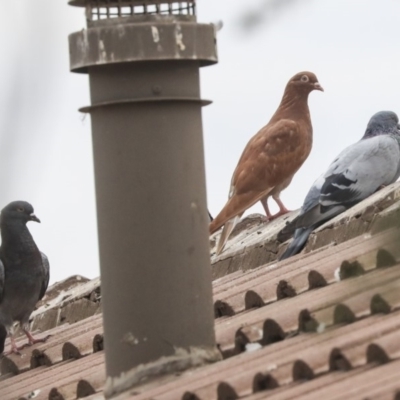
column 124, row 3
column 97, row 10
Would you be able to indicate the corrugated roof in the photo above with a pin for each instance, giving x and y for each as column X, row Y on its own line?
column 253, row 242
column 324, row 324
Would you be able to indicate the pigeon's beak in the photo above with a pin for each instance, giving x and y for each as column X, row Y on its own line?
column 317, row 86
column 33, row 217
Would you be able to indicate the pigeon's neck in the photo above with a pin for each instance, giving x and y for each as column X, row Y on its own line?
column 396, row 136
column 294, row 106
column 16, row 235
column 372, row 132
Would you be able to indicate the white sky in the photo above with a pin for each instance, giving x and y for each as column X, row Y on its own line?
column 45, row 144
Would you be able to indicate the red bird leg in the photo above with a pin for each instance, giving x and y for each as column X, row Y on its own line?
column 264, row 202
column 282, row 209
column 14, row 348
column 32, row 340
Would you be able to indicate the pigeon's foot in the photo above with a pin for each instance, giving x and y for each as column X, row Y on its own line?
column 32, row 340
column 278, row 214
column 282, row 209
column 14, row 348
column 13, row 351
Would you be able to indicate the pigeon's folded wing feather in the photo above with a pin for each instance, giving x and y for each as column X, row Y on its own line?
column 3, row 330
column 3, row 336
column 368, row 165
column 2, row 279
column 313, row 195
column 272, row 156
column 299, row 240
column 269, row 156
column 46, row 275
column 356, row 174
column 311, row 200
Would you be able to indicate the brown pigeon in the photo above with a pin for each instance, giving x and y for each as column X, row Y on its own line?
column 271, row 157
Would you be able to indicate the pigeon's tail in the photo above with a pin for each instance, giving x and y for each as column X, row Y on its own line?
column 226, row 231
column 300, row 238
column 288, row 231
column 3, row 336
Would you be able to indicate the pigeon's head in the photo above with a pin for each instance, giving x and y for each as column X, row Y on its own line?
column 381, row 123
column 304, row 82
column 19, row 211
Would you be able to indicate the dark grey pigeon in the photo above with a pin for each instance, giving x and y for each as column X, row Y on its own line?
column 24, row 272
column 356, row 173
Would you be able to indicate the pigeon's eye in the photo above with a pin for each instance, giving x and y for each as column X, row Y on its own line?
column 304, row 78
column 20, row 209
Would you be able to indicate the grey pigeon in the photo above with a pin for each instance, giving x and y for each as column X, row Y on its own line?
column 24, row 272
column 356, row 173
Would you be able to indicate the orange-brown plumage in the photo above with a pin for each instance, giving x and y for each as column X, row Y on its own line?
column 272, row 156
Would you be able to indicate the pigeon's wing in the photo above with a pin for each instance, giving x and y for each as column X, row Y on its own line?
column 357, row 173
column 272, row 156
column 337, row 166
column 3, row 330
column 313, row 195
column 2, row 277
column 311, row 200
column 46, row 275
column 368, row 165
column 3, row 336
column 297, row 244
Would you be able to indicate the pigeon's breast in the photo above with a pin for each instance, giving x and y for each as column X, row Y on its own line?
column 21, row 294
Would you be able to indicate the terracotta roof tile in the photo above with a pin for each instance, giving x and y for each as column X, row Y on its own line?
column 51, row 352
column 361, row 386
column 61, row 376
column 296, row 271
column 256, row 245
column 279, row 360
column 303, row 388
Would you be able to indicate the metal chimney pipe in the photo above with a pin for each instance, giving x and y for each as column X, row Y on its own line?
column 143, row 60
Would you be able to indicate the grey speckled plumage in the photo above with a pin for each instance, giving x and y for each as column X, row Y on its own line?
column 356, row 173
column 24, row 271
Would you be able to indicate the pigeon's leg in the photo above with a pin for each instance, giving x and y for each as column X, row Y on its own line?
column 264, row 202
column 14, row 348
column 282, row 209
column 32, row 340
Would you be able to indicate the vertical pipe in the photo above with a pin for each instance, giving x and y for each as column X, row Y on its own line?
column 152, row 217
